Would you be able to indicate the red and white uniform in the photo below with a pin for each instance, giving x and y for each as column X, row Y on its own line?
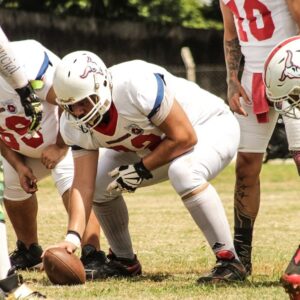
column 39, row 64
column 260, row 25
column 143, row 95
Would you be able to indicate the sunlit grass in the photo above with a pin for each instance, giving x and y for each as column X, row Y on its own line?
column 172, row 250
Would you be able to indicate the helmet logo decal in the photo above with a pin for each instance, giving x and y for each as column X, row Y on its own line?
column 91, row 67
column 290, row 69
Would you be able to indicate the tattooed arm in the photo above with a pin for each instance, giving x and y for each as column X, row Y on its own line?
column 294, row 7
column 233, row 55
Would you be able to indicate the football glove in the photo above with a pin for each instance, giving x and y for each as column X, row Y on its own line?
column 32, row 106
column 128, row 178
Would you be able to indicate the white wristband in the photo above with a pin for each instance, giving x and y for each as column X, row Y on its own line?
column 74, row 239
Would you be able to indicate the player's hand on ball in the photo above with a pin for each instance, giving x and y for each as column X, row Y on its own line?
column 128, row 178
column 70, row 247
column 32, row 106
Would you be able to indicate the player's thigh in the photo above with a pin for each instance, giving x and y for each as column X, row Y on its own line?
column 218, row 141
column 12, row 188
column 255, row 136
column 63, row 173
column 111, row 159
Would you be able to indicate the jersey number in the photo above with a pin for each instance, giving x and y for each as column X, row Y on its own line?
column 149, row 141
column 20, row 126
column 265, row 31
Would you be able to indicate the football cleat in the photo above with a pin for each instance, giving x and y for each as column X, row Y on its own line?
column 98, row 266
column 227, row 269
column 247, row 264
column 94, row 262
column 124, row 267
column 290, row 280
column 12, row 287
column 22, row 258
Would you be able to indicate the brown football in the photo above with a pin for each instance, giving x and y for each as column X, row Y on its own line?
column 62, row 267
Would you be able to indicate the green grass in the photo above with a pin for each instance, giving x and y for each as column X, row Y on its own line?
column 172, row 250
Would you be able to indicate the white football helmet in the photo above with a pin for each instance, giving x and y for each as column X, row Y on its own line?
column 83, row 75
column 282, row 77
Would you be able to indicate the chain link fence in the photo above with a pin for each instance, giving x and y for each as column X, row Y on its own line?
column 213, row 79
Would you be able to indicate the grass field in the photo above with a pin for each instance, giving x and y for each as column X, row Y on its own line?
column 171, row 249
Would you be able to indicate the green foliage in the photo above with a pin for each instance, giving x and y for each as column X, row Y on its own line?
column 187, row 13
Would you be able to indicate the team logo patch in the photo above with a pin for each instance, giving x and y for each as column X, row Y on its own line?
column 91, row 67
column 9, row 106
column 217, row 246
column 134, row 129
column 291, row 70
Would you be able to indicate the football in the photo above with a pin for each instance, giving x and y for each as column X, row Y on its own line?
column 62, row 267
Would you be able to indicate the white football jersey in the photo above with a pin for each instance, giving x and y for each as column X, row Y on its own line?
column 39, row 64
column 143, row 95
column 260, row 24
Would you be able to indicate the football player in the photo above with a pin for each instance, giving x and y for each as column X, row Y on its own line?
column 282, row 81
column 155, row 127
column 30, row 156
column 251, row 29
column 11, row 285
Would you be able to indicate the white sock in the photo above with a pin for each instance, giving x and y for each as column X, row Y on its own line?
column 113, row 219
column 208, row 212
column 4, row 256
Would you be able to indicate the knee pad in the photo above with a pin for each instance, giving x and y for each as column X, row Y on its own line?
column 186, row 179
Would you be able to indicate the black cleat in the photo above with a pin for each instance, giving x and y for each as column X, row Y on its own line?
column 247, row 264
column 227, row 269
column 22, row 258
column 124, row 267
column 290, row 280
column 94, row 262
column 98, row 266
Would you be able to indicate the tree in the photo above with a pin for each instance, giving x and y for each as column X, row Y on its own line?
column 187, row 13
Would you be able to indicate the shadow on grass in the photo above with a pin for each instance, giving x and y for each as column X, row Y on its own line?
column 256, row 282
column 159, row 277
column 244, row 284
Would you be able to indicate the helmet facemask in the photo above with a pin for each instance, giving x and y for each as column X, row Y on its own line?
column 288, row 105
column 82, row 76
column 93, row 117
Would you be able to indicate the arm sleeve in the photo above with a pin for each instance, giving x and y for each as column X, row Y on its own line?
column 152, row 97
column 10, row 68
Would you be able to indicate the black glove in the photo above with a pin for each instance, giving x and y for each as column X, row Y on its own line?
column 32, row 106
column 128, row 178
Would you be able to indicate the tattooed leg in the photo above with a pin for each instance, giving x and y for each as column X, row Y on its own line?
column 246, row 204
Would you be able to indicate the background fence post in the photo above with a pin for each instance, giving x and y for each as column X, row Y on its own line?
column 189, row 63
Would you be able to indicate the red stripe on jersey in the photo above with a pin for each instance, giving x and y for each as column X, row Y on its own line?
column 110, row 128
